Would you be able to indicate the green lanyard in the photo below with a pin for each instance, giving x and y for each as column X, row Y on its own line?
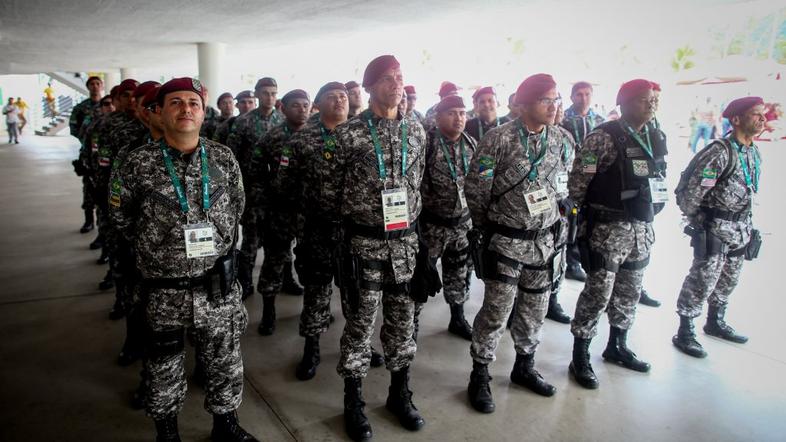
column 584, row 125
column 750, row 181
column 181, row 194
column 449, row 158
column 480, row 127
column 534, row 160
column 328, row 140
column 646, row 146
column 378, row 149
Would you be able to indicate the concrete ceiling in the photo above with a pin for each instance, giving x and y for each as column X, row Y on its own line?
column 97, row 35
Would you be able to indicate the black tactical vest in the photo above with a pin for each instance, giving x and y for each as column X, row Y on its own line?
column 625, row 185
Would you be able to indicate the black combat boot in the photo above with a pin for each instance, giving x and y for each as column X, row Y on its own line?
column 685, row 339
column 617, row 351
column 307, row 367
column 524, row 374
column 355, row 421
column 104, row 258
column 226, row 428
column 108, row 282
column 289, row 286
column 377, row 360
column 580, row 366
column 400, row 401
column 647, row 300
column 575, row 273
column 166, row 429
column 268, row 323
column 97, row 243
column 479, row 390
column 89, row 223
column 717, row 326
column 458, row 324
column 555, row 312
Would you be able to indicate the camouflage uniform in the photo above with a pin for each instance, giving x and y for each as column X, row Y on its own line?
column 213, row 119
column 477, row 128
column 147, row 213
column 246, row 131
column 223, row 130
column 387, row 265
column 715, row 276
column 82, row 115
column 525, row 245
column 621, row 239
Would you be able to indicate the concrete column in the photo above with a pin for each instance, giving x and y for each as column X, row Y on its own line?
column 128, row 73
column 111, row 79
column 211, row 63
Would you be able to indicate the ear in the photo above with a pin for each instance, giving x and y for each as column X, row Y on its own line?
column 735, row 120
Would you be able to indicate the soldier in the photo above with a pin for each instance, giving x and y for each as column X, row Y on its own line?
column 246, row 102
column 716, row 195
column 279, row 225
column 516, row 182
column 446, row 89
column 445, row 218
column 513, row 112
column 485, row 103
column 412, row 99
column 226, row 106
column 179, row 203
column 379, row 166
column 82, row 115
column 248, row 129
column 618, row 183
column 355, row 98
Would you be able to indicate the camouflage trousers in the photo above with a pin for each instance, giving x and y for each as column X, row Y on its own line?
column 451, row 245
column 524, row 278
column 248, row 249
column 279, row 234
column 87, row 194
column 217, row 330
column 396, row 259
column 714, row 278
column 314, row 264
column 619, row 243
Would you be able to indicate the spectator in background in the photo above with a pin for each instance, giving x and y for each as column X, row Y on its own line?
column 11, row 113
column 706, row 117
column 49, row 95
column 22, row 106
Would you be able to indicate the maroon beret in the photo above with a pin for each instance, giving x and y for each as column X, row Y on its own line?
column 113, row 91
column 447, row 88
column 332, row 86
column 265, row 81
column 351, row 84
column 129, row 84
column 533, row 88
column 180, row 84
column 740, row 106
column 222, row 96
column 143, row 88
column 93, row 77
column 377, row 67
column 484, row 90
column 655, row 86
column 244, row 94
column 293, row 94
column 410, row 90
column 450, row 102
column 150, row 96
column 632, row 89
column 580, row 85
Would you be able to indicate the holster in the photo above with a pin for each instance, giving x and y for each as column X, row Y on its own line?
column 754, row 245
column 573, row 226
column 477, row 251
column 346, row 271
column 425, row 280
column 220, row 278
column 704, row 243
column 166, row 343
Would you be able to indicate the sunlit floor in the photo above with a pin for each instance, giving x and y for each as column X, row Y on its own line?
column 59, row 380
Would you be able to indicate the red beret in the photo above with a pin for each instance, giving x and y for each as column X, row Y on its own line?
column 450, row 102
column 143, row 88
column 129, row 84
column 484, row 90
column 580, row 85
column 265, row 81
column 351, row 84
column 740, row 106
column 244, row 94
column 113, row 91
column 447, row 88
column 222, row 96
column 377, row 67
column 655, row 86
column 93, row 77
column 151, row 95
column 410, row 90
column 332, row 86
column 294, row 94
column 180, row 84
column 632, row 89
column 533, row 88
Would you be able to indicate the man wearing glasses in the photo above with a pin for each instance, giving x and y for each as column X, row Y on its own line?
column 618, row 182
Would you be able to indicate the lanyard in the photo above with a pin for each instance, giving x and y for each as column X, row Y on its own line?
column 378, row 149
column 534, row 160
column 750, row 181
column 449, row 158
column 480, row 128
column 328, row 140
column 584, row 125
column 181, row 194
column 646, row 146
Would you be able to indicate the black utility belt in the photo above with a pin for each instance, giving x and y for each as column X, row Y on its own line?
column 431, row 218
column 607, row 216
column 175, row 283
column 379, row 232
column 515, row 233
column 725, row 214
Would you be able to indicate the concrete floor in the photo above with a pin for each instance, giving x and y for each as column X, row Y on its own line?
column 59, row 380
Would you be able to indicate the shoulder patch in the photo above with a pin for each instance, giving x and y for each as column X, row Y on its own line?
column 486, row 167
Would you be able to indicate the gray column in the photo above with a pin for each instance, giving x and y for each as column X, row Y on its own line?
column 211, row 62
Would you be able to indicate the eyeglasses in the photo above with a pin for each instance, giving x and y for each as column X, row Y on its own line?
column 549, row 101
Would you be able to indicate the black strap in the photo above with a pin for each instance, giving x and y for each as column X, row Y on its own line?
column 725, row 214
column 174, row 283
column 738, row 252
column 537, row 290
column 373, row 264
column 515, row 233
column 375, row 232
column 635, row 265
column 606, row 216
column 431, row 218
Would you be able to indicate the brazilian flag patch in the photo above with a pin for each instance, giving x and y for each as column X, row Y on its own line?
column 486, row 169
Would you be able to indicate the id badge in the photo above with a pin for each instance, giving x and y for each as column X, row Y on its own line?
column 104, row 162
column 395, row 209
column 659, row 192
column 283, row 161
column 562, row 182
column 462, row 199
column 199, row 240
column 537, row 202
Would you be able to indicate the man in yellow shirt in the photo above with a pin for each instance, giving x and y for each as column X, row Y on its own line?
column 22, row 106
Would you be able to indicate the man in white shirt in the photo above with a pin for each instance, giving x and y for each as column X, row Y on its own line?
column 11, row 113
